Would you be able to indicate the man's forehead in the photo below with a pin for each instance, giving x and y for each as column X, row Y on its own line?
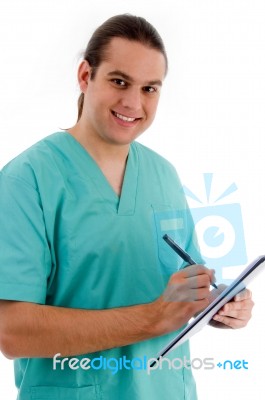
column 134, row 59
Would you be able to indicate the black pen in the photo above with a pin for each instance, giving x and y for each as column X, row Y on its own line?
column 185, row 256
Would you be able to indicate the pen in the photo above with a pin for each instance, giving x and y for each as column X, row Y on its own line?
column 185, row 256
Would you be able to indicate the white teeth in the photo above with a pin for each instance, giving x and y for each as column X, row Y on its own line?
column 127, row 119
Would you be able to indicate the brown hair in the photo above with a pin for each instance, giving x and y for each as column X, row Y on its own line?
column 124, row 26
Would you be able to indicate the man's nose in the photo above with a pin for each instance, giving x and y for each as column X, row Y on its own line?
column 132, row 99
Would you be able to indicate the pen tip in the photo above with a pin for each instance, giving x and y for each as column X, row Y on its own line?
column 214, row 285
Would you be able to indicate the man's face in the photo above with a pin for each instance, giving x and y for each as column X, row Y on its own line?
column 120, row 102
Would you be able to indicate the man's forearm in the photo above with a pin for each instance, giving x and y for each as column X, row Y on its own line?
column 32, row 330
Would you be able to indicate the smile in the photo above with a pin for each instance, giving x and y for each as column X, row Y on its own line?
column 123, row 117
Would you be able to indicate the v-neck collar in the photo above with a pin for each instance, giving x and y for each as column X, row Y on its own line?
column 123, row 204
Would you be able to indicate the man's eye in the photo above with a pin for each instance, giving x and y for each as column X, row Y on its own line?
column 149, row 89
column 119, row 82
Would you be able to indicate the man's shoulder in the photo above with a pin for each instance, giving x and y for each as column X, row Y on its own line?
column 152, row 156
column 35, row 157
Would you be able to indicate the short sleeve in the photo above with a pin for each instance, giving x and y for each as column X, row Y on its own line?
column 25, row 261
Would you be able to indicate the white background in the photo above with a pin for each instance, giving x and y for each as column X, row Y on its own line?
column 211, row 119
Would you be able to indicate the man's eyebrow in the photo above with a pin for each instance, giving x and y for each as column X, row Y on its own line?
column 123, row 75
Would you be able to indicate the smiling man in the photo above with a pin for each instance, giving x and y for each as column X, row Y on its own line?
column 83, row 266
column 123, row 94
column 120, row 101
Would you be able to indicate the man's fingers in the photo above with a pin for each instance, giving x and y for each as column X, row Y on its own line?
column 242, row 314
column 243, row 295
column 201, row 294
column 199, row 281
column 237, row 306
column 194, row 271
column 178, row 293
column 234, row 323
column 197, row 269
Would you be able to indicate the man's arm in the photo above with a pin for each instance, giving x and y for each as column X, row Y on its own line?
column 33, row 330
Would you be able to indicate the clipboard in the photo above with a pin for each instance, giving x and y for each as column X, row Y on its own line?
column 240, row 283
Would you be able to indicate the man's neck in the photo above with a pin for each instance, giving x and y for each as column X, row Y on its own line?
column 100, row 150
column 111, row 158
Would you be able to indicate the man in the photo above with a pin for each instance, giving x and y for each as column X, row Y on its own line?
column 84, row 271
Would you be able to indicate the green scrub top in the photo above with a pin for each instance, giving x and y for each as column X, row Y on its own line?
column 67, row 239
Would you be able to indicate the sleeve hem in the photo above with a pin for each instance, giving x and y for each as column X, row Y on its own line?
column 10, row 291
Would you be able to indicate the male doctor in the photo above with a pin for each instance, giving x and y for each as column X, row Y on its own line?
column 84, row 271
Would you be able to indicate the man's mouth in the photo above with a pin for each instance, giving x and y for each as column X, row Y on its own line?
column 123, row 117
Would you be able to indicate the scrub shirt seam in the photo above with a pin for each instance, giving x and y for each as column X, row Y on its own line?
column 183, row 376
column 137, row 176
column 98, row 392
column 132, row 210
column 6, row 283
column 55, row 157
column 19, row 179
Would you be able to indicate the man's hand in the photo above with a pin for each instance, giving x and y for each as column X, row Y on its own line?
column 236, row 313
column 187, row 293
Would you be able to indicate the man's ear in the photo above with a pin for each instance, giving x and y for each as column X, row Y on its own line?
column 84, row 74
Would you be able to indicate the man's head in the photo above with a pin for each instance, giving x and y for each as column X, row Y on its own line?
column 125, row 26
